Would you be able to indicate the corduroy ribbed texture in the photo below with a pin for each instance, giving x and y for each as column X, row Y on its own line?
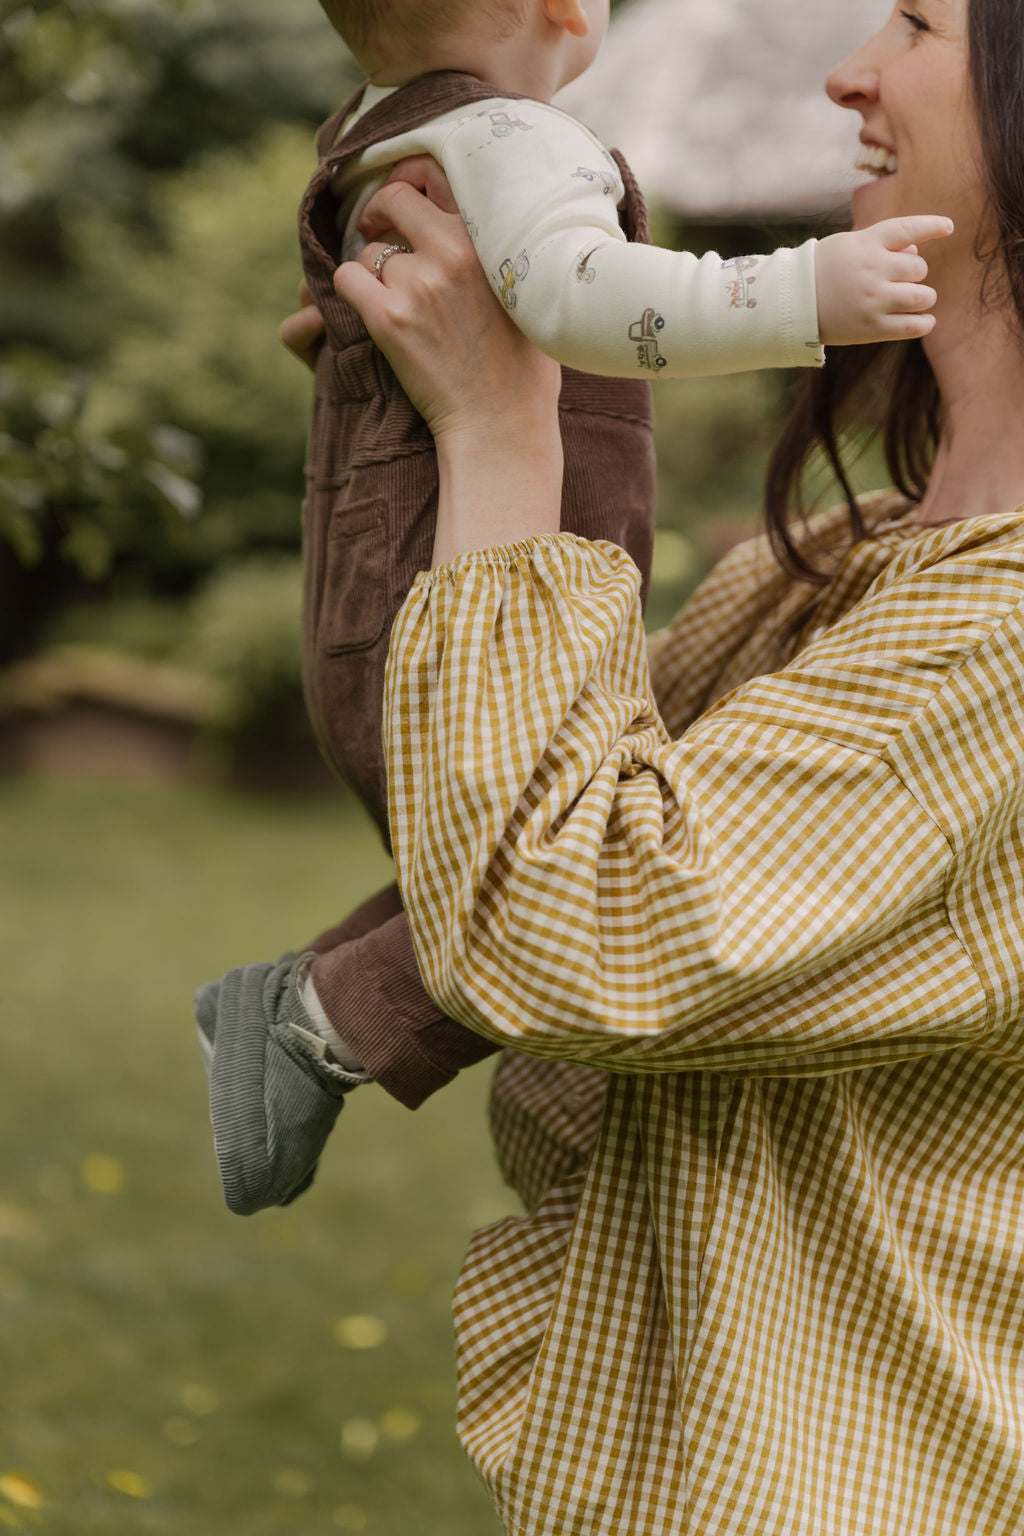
column 371, row 500
column 369, row 526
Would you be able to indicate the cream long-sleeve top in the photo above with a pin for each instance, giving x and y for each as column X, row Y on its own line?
column 770, row 1284
column 539, row 196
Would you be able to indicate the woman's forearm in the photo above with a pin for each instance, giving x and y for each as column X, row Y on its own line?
column 500, row 481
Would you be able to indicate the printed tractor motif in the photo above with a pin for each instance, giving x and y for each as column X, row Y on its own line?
column 739, row 286
column 645, row 333
column 512, row 271
column 503, row 123
column 608, row 182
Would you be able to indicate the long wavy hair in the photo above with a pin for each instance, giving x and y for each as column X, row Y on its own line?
column 889, row 390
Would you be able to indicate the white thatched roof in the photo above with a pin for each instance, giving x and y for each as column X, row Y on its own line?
column 719, row 104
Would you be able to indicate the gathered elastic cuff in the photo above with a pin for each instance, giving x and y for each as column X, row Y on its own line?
column 504, row 556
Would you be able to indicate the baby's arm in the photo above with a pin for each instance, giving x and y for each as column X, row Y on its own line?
column 539, row 195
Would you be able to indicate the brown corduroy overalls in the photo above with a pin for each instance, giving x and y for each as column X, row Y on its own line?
column 371, row 470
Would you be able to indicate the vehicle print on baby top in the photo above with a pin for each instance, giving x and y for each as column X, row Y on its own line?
column 585, row 273
column 503, row 123
column 645, row 333
column 608, row 182
column 512, row 271
column 739, row 285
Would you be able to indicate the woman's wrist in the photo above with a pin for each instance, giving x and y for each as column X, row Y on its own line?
column 500, row 481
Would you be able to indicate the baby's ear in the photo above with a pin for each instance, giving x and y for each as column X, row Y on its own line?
column 568, row 14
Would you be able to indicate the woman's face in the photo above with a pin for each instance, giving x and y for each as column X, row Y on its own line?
column 920, row 150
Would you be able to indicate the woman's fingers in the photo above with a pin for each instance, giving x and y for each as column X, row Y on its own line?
column 355, row 283
column 303, row 333
column 399, row 207
column 424, row 174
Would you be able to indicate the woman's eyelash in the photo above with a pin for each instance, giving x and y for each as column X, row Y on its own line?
column 915, row 21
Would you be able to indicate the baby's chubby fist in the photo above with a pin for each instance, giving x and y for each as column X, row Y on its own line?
column 870, row 282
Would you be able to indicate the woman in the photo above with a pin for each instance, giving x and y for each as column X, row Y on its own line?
column 771, row 884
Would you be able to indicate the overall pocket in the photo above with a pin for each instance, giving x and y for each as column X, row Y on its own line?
column 355, row 607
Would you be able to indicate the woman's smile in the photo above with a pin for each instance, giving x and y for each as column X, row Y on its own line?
column 918, row 144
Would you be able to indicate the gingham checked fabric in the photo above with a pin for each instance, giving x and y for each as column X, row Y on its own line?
column 773, row 1281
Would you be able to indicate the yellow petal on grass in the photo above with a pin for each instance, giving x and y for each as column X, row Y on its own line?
column 400, row 1424
column 132, row 1483
column 360, row 1331
column 293, row 1483
column 101, row 1173
column 359, row 1438
column 21, row 1491
column 198, row 1398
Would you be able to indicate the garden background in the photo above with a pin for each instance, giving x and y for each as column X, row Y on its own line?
column 165, row 1367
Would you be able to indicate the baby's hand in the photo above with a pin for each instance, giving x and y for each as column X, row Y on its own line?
column 871, row 284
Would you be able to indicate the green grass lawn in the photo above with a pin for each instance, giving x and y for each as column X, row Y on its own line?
column 166, row 1367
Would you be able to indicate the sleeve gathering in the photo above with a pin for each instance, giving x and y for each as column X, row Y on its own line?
column 582, row 887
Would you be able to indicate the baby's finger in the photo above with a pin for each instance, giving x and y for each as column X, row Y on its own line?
column 910, row 298
column 913, row 229
column 906, row 327
column 904, row 268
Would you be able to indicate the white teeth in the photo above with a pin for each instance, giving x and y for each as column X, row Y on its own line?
column 873, row 158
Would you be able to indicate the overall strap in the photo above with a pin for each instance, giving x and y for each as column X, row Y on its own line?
column 328, row 132
column 424, row 98
column 632, row 209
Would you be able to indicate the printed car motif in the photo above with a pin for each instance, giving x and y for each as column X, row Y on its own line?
column 512, row 271
column 584, row 272
column 503, row 123
column 645, row 333
column 738, row 288
column 608, row 182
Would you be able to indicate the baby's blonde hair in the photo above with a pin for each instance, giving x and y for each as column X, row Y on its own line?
column 363, row 23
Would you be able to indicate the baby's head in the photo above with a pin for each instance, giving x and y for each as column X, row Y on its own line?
column 394, row 40
column 389, row 29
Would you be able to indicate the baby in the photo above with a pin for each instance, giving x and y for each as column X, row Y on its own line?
column 560, row 231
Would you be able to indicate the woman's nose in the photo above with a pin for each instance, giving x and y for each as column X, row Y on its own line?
column 854, row 82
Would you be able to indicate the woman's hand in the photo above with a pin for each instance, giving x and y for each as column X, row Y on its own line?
column 303, row 332
column 487, row 394
column 459, row 358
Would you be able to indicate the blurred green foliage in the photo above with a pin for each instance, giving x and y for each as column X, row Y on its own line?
column 152, row 154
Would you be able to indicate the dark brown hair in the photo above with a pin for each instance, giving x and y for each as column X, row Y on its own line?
column 890, row 389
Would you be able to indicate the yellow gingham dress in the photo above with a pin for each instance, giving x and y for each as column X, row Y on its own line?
column 762, row 942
